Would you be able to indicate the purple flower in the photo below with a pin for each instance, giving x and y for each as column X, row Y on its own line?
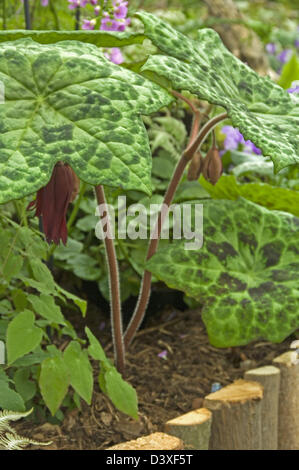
column 120, row 10
column 285, row 56
column 234, row 138
column 297, row 43
column 88, row 24
column 109, row 24
column 77, row 3
column 294, row 88
column 115, row 55
column 163, row 354
column 271, row 48
column 44, row 3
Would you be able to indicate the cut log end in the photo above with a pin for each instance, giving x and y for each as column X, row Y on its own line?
column 155, row 441
column 194, row 428
column 286, row 359
column 238, row 392
column 193, row 418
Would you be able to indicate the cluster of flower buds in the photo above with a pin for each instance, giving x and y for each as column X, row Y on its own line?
column 210, row 166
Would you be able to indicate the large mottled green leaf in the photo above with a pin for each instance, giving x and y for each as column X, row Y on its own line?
column 262, row 110
column 66, row 101
column 245, row 274
column 272, row 197
column 99, row 38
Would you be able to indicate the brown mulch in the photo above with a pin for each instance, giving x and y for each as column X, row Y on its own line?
column 166, row 387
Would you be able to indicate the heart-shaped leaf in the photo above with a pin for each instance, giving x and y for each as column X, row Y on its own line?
column 54, row 381
column 80, row 370
column 245, row 274
column 22, row 336
column 67, row 102
column 264, row 112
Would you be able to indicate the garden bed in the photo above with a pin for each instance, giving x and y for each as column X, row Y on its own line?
column 167, row 386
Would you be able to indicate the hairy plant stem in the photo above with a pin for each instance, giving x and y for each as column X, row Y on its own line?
column 27, row 14
column 115, row 299
column 194, row 143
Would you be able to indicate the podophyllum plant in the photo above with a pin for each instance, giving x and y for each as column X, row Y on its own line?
column 65, row 102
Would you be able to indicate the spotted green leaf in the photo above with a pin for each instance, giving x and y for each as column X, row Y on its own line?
column 245, row 274
column 264, row 112
column 66, row 101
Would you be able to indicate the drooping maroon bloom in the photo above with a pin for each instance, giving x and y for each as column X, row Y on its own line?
column 52, row 202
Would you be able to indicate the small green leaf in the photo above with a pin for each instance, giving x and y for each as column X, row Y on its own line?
column 12, row 266
column 82, row 304
column 121, row 393
column 45, row 306
column 24, row 386
column 19, row 299
column 42, row 274
column 9, row 399
column 22, row 336
column 289, row 73
column 80, row 370
column 54, row 382
column 95, row 349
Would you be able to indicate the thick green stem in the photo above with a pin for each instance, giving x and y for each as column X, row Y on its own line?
column 115, row 299
column 154, row 242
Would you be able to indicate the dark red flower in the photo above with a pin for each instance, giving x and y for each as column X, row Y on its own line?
column 52, row 202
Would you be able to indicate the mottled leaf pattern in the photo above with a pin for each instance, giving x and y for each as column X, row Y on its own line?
column 262, row 110
column 67, row 102
column 246, row 273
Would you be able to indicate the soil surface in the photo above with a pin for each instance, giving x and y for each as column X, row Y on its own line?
column 167, row 386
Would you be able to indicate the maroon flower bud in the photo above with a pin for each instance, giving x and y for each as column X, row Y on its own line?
column 212, row 166
column 195, row 167
column 52, row 202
